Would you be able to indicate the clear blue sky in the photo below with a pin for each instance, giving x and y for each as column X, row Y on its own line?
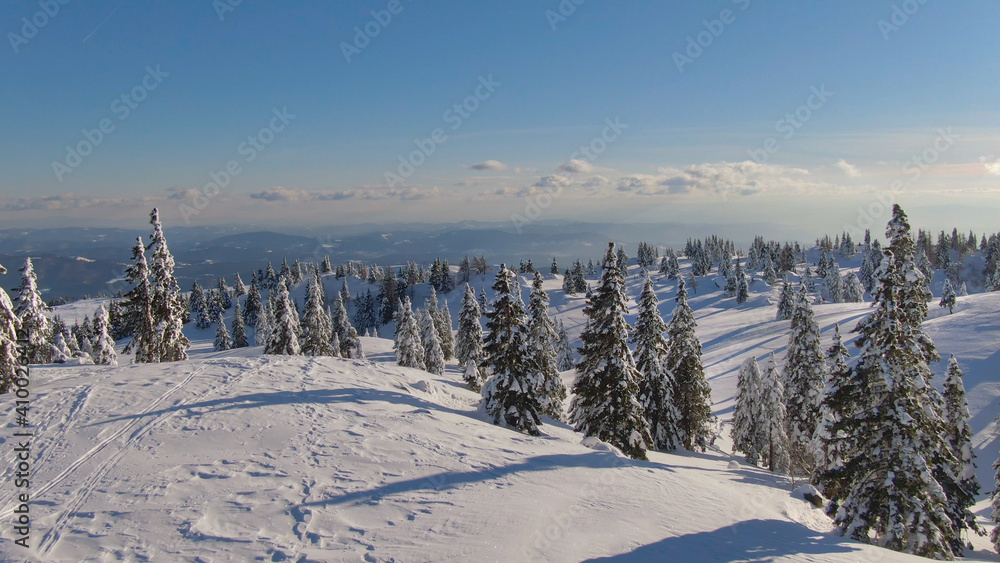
column 683, row 156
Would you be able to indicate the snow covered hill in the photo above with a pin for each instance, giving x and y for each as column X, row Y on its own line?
column 239, row 456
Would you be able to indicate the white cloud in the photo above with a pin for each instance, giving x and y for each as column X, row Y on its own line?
column 279, row 193
column 70, row 201
column 595, row 181
column 847, row 168
column 635, row 182
column 495, row 165
column 720, row 178
column 295, row 195
column 552, row 181
column 992, row 168
column 519, row 170
column 576, row 166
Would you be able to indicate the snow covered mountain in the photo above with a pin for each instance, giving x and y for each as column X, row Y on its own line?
column 240, row 456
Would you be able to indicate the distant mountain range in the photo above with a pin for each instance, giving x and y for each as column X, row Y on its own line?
column 77, row 262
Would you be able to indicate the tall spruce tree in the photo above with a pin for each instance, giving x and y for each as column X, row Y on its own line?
column 104, row 346
column 742, row 287
column 409, row 348
column 854, row 291
column 804, row 378
column 253, row 305
column 772, row 400
column 317, row 327
column 165, row 302
column 239, row 288
column 469, row 344
column 347, row 335
column 9, row 326
column 264, row 326
column 223, row 341
column 692, row 393
column 749, row 426
column 786, row 305
column 606, row 403
column 138, row 308
column 962, row 486
column 285, row 332
column 511, row 394
column 198, row 305
column 565, row 361
column 433, row 356
column 829, row 443
column 542, row 340
column 896, row 498
column 239, row 328
column 656, row 388
column 34, row 324
column 441, row 316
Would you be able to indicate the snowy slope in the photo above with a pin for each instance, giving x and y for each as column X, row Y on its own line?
column 238, row 456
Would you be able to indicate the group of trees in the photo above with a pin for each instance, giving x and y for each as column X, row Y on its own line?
column 654, row 397
column 914, row 495
column 27, row 333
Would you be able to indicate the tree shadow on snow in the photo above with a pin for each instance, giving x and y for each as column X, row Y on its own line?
column 753, row 540
column 453, row 479
column 313, row 396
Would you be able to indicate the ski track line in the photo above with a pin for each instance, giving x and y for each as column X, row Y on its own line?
column 48, row 448
column 105, row 442
column 52, row 537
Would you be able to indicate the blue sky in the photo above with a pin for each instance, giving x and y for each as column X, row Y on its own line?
column 898, row 78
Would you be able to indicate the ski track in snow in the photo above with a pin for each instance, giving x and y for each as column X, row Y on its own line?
column 141, row 429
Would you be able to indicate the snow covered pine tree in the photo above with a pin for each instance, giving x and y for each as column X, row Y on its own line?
column 607, row 404
column 897, row 499
column 692, row 393
column 510, row 395
column 656, row 388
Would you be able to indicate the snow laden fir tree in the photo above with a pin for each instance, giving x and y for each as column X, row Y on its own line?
column 804, row 379
column 542, row 342
column 749, row 425
column 434, row 361
column 409, row 348
column 166, row 304
column 656, row 388
column 511, row 394
column 692, row 394
column 606, row 403
column 34, row 328
column 9, row 325
column 899, row 498
column 469, row 343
